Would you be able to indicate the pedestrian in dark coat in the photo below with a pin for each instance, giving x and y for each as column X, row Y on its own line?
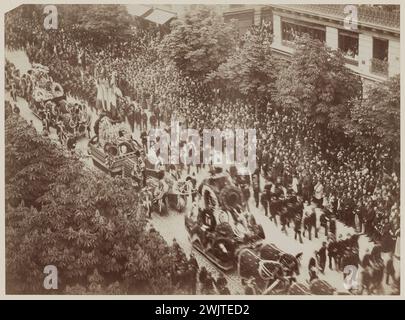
column 203, row 275
column 157, row 115
column 131, row 117
column 321, row 255
column 191, row 278
column 313, row 222
column 312, row 268
column 208, row 284
column 224, row 291
column 297, row 226
column 332, row 254
column 275, row 208
column 332, row 225
column 221, row 285
column 340, row 249
column 250, row 286
column 144, row 121
column 256, row 187
column 389, row 269
column 266, row 199
column 283, row 219
column 365, row 263
column 144, row 139
column 152, row 120
column 137, row 117
column 324, row 221
column 307, row 224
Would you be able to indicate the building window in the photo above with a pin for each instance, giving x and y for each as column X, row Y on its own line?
column 292, row 30
column 349, row 44
column 380, row 49
column 379, row 62
column 266, row 16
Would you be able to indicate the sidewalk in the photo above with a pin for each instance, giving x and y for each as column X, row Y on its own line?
column 174, row 227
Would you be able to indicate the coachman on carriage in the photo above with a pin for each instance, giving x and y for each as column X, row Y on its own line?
column 112, row 148
column 48, row 103
column 220, row 227
column 168, row 189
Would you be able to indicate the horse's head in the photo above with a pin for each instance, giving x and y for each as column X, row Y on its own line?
column 291, row 263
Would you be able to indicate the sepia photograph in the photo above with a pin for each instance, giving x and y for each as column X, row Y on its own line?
column 202, row 149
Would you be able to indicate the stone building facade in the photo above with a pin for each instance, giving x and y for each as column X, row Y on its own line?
column 369, row 36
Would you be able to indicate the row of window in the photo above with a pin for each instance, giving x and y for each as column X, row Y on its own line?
column 348, row 41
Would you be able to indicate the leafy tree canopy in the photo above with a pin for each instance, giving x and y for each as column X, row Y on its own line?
column 251, row 69
column 318, row 84
column 101, row 18
column 32, row 163
column 109, row 19
column 377, row 117
column 199, row 43
column 88, row 225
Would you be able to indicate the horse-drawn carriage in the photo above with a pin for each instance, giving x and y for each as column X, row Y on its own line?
column 221, row 226
column 321, row 287
column 113, row 149
column 267, row 264
column 285, row 287
column 48, row 103
column 69, row 119
column 169, row 191
column 43, row 87
column 158, row 193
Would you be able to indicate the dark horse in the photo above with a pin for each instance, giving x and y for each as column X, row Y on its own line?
column 290, row 262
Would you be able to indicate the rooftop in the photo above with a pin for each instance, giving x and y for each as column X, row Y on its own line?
column 368, row 16
column 150, row 13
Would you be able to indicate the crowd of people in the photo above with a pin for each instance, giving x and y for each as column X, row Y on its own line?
column 323, row 172
column 188, row 276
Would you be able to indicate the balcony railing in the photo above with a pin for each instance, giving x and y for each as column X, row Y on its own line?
column 351, row 61
column 288, row 43
column 379, row 67
column 366, row 14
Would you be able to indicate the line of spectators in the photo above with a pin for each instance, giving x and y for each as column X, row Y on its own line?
column 356, row 183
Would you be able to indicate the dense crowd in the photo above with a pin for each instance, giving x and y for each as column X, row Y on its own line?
column 355, row 184
column 192, row 279
column 77, row 61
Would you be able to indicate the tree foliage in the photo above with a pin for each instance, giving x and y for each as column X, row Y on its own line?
column 318, row 84
column 109, row 19
column 199, row 43
column 251, row 69
column 70, row 15
column 32, row 163
column 88, row 225
column 377, row 117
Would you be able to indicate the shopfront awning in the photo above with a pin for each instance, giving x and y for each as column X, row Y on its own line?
column 139, row 10
column 160, row 16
